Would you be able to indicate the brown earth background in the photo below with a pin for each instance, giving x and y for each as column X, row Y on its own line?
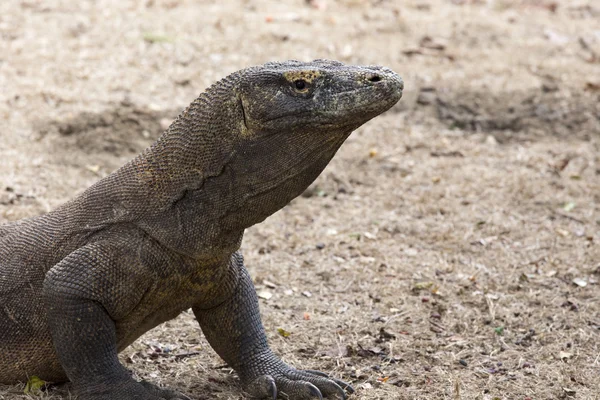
column 450, row 250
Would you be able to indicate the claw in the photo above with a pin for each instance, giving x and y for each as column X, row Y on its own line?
column 342, row 393
column 339, row 389
column 349, row 388
column 273, row 390
column 314, row 390
column 344, row 385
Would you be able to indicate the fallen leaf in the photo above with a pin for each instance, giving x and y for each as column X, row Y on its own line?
column 156, row 38
column 569, row 391
column 283, row 332
column 263, row 294
column 370, row 235
column 269, row 284
column 429, row 43
column 411, row 52
column 562, row 232
column 592, row 86
column 93, row 168
column 34, row 384
column 422, row 286
column 385, row 335
column 411, row 252
column 580, row 282
column 564, row 355
column 436, row 291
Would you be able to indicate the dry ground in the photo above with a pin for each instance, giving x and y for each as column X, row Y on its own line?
column 450, row 251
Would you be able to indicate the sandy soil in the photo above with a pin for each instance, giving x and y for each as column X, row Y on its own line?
column 450, row 251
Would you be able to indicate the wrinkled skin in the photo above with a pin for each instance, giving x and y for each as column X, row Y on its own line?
column 162, row 233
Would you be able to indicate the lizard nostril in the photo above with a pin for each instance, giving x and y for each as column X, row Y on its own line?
column 374, row 78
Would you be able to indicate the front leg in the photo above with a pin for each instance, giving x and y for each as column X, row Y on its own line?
column 84, row 295
column 235, row 331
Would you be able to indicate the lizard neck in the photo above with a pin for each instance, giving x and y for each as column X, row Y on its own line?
column 256, row 178
column 174, row 174
column 195, row 147
column 267, row 177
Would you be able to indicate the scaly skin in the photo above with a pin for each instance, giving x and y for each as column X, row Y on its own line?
column 162, row 233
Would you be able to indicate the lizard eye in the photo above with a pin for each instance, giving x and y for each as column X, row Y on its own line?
column 300, row 85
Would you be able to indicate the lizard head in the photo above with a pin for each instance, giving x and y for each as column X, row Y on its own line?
column 291, row 118
column 319, row 97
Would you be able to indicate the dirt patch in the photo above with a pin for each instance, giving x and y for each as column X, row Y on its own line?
column 517, row 115
column 123, row 130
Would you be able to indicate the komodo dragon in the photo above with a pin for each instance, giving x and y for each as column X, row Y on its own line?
column 162, row 234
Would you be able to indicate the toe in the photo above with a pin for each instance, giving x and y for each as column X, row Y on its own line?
column 298, row 390
column 328, row 387
column 263, row 387
column 344, row 385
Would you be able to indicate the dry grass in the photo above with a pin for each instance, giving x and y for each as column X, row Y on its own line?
column 440, row 249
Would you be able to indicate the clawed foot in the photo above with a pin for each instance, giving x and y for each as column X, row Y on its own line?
column 130, row 390
column 295, row 384
column 163, row 393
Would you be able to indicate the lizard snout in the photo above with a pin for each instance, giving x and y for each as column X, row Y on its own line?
column 383, row 76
